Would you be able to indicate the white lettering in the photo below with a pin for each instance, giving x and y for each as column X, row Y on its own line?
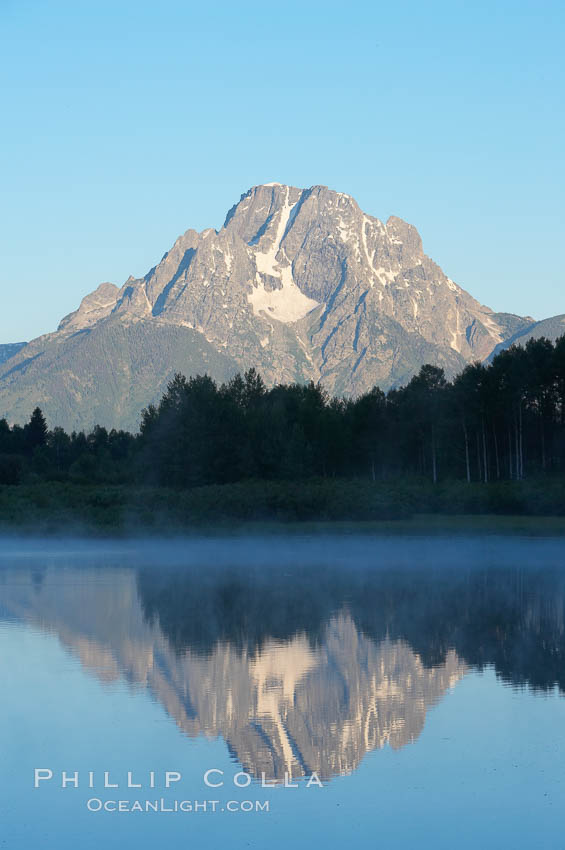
column 67, row 780
column 171, row 776
column 41, row 774
column 246, row 780
column 107, row 783
column 131, row 783
column 213, row 784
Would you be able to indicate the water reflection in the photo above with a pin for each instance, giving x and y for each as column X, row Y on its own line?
column 303, row 670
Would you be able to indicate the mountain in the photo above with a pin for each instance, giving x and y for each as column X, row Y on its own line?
column 551, row 329
column 300, row 283
column 9, row 350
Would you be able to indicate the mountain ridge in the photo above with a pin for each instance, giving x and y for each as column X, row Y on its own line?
column 10, row 349
column 299, row 283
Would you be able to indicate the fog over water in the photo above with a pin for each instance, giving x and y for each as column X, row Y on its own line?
column 311, row 549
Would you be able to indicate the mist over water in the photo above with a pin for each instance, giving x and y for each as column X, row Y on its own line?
column 365, row 661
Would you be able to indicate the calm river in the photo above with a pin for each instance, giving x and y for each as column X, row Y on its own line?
column 300, row 693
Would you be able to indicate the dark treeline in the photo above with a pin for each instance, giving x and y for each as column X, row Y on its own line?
column 503, row 421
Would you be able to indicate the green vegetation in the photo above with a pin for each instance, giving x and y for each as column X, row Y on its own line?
column 492, row 442
column 311, row 506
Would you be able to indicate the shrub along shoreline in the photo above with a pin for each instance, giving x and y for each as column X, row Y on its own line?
column 334, row 504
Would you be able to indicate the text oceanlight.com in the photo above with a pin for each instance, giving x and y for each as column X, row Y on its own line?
column 95, row 804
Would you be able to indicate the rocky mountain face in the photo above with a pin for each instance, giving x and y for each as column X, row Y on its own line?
column 9, row 350
column 300, row 283
column 551, row 329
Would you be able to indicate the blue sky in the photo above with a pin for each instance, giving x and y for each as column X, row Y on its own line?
column 125, row 123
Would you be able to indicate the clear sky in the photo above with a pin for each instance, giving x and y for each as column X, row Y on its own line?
column 125, row 123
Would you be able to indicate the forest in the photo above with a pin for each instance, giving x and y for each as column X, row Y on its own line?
column 502, row 422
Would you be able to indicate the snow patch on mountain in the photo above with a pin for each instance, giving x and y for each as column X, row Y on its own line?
column 287, row 303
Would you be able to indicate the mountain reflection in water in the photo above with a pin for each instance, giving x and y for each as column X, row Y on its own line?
column 299, row 670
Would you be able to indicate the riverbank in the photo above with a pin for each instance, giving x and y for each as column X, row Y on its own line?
column 335, row 505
